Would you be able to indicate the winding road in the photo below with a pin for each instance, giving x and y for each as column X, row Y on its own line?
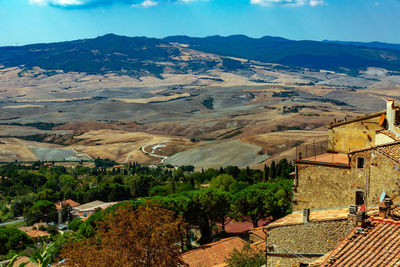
column 153, row 150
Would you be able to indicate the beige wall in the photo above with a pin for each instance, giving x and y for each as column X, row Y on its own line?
column 355, row 135
column 313, row 237
column 322, row 187
column 381, row 139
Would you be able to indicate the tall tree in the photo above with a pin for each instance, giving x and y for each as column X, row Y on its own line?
column 144, row 237
column 249, row 203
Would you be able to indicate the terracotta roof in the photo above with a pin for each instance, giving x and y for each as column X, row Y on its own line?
column 394, row 211
column 315, row 216
column 258, row 232
column 376, row 245
column 337, row 158
column 390, row 150
column 214, row 253
column 37, row 233
column 68, row 202
column 234, row 227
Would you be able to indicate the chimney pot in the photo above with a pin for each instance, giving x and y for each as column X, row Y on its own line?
column 353, row 209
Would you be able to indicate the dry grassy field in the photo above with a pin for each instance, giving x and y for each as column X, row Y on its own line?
column 253, row 116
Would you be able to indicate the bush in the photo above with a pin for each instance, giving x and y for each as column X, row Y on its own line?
column 246, row 257
column 13, row 239
column 74, row 224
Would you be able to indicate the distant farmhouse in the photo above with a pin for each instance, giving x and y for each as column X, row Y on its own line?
column 345, row 194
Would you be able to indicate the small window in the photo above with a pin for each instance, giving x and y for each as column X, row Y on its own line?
column 359, row 198
column 360, row 163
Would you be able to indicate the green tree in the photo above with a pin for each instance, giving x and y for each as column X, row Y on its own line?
column 210, row 206
column 13, row 239
column 47, row 194
column 74, row 224
column 222, row 182
column 42, row 210
column 21, row 205
column 249, row 203
column 246, row 257
column 140, row 184
column 272, row 170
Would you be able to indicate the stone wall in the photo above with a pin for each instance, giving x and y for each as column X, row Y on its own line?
column 350, row 136
column 320, row 186
column 380, row 174
column 313, row 237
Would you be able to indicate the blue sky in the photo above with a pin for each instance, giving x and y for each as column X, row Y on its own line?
column 33, row 21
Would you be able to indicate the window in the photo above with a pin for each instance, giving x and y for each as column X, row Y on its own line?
column 359, row 197
column 360, row 162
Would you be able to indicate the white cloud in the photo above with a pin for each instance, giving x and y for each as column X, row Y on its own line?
column 58, row 2
column 287, row 2
column 148, row 3
column 96, row 3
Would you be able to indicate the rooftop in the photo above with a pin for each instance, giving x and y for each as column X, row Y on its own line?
column 315, row 216
column 214, row 253
column 94, row 205
column 390, row 150
column 234, row 227
column 336, row 158
column 376, row 245
column 68, row 202
column 359, row 118
column 37, row 233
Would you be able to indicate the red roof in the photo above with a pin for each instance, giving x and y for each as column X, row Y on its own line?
column 234, row 227
column 37, row 233
column 337, row 158
column 213, row 253
column 376, row 245
column 69, row 202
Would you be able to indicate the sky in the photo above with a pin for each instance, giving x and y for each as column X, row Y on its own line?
column 37, row 21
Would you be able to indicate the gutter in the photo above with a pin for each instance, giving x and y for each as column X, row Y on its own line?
column 302, row 161
column 295, row 254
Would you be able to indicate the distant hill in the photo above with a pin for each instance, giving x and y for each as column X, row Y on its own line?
column 311, row 54
column 140, row 56
column 379, row 45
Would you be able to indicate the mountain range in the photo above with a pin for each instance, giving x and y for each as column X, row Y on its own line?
column 140, row 56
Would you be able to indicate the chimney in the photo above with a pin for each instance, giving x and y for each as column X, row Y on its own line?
column 384, row 207
column 306, row 215
column 361, row 218
column 390, row 114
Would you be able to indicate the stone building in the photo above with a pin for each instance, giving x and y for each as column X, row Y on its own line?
column 300, row 238
column 349, row 135
column 370, row 165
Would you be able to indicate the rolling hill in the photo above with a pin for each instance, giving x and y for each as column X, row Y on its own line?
column 141, row 56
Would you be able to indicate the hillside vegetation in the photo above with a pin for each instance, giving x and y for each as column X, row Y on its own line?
column 138, row 56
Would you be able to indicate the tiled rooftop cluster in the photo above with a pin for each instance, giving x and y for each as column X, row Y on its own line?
column 378, row 244
column 392, row 151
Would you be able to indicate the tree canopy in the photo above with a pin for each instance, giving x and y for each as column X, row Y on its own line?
column 146, row 236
